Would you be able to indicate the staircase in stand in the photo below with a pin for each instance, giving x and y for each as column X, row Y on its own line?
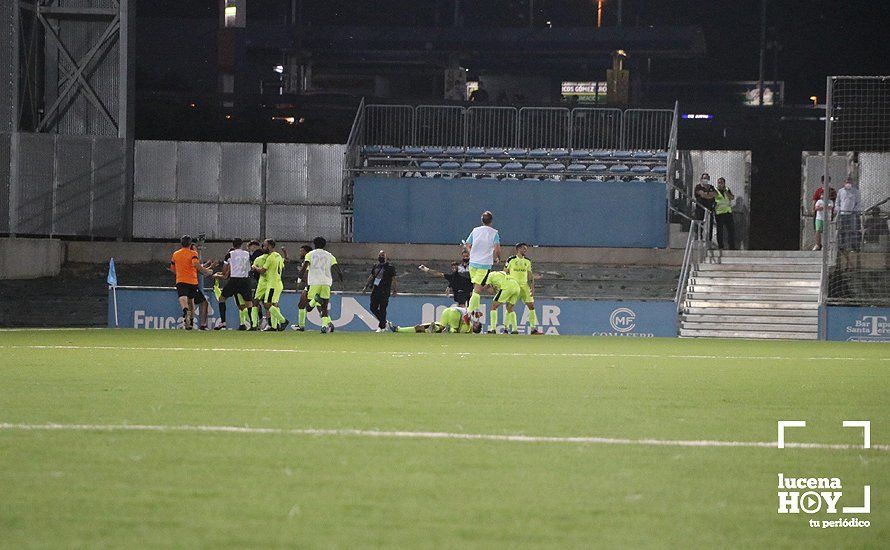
column 753, row 294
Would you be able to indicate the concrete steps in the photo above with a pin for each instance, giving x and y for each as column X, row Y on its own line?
column 753, row 294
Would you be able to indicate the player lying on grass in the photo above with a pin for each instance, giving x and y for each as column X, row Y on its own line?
column 453, row 320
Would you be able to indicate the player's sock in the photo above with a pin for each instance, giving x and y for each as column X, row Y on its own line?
column 325, row 321
column 276, row 315
column 255, row 316
column 243, row 317
column 222, row 312
column 532, row 317
column 301, row 317
column 511, row 321
column 185, row 315
column 493, row 319
column 475, row 298
column 406, row 329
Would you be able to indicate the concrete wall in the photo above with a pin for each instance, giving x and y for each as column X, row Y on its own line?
column 30, row 258
column 124, row 252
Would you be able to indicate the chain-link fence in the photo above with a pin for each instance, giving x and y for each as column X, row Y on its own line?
column 856, row 235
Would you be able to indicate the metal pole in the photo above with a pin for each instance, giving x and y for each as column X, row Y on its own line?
column 826, row 233
column 762, row 50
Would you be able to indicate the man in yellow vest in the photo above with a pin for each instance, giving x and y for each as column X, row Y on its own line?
column 723, row 215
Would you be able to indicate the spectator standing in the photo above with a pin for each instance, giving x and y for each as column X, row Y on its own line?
column 820, row 208
column 705, row 201
column 723, row 200
column 848, row 210
column 382, row 282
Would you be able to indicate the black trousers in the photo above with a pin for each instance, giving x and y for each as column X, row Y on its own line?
column 379, row 303
column 725, row 231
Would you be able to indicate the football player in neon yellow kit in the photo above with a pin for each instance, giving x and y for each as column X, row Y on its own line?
column 272, row 268
column 519, row 268
column 454, row 320
column 507, row 293
column 319, row 264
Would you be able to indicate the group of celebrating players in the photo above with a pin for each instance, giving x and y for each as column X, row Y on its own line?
column 253, row 278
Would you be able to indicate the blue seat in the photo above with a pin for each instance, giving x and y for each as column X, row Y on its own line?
column 513, row 166
column 576, row 168
column 639, row 169
column 596, row 168
column 556, row 167
column 372, row 149
column 412, row 150
column 475, row 151
column 580, row 153
column 642, row 155
column 622, row 154
column 450, row 165
column 660, row 169
column 429, row 165
column 534, row 166
column 601, row 153
column 390, row 150
column 470, row 166
column 560, row 152
column 536, row 153
column 660, row 154
column 496, row 152
column 619, row 169
column 517, row 152
column 455, row 151
column 434, row 151
column 492, row 166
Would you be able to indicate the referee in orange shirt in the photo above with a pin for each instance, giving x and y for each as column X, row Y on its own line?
column 186, row 265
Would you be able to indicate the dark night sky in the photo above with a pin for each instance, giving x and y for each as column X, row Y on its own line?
column 817, row 37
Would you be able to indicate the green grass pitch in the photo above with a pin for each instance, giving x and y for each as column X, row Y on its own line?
column 83, row 486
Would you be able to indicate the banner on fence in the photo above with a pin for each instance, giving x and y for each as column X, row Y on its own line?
column 157, row 308
column 859, row 324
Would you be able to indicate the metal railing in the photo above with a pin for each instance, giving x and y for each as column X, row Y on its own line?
column 352, row 160
column 528, row 127
column 696, row 244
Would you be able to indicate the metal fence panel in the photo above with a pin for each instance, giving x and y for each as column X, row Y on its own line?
column 108, row 186
column 73, row 182
column 241, row 172
column 194, row 218
column 544, row 127
column 646, row 129
column 197, row 171
column 287, row 223
column 441, row 125
column 325, row 173
column 596, row 128
column 323, row 221
column 239, row 220
column 812, row 169
column 286, row 172
column 874, row 178
column 491, row 126
column 155, row 170
column 389, row 125
column 34, row 192
column 5, row 164
column 155, row 220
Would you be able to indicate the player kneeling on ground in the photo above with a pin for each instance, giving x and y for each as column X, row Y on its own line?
column 455, row 320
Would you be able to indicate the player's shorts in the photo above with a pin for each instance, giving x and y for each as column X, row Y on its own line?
column 525, row 293
column 239, row 286
column 273, row 294
column 190, row 291
column 820, row 224
column 451, row 319
column 319, row 292
column 479, row 276
column 508, row 294
column 260, row 291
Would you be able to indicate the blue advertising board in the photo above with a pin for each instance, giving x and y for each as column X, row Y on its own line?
column 550, row 213
column 157, row 308
column 858, row 324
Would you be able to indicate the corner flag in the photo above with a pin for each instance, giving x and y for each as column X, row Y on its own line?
column 112, row 274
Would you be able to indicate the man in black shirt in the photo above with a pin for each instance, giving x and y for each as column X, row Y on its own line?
column 706, row 199
column 382, row 283
column 458, row 281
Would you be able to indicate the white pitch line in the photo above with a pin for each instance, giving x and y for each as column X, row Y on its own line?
column 406, row 353
column 430, row 435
